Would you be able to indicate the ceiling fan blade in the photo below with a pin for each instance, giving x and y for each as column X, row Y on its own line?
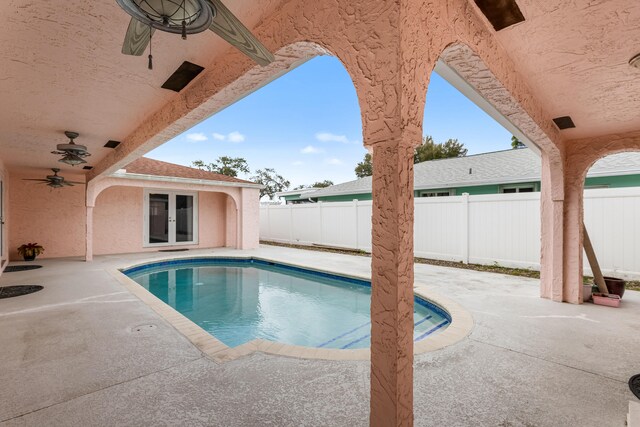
column 137, row 38
column 227, row 26
column 67, row 183
column 74, row 182
column 35, row 179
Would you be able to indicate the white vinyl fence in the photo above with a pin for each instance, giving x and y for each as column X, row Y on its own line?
column 488, row 229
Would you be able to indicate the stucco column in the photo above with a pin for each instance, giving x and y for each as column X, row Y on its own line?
column 249, row 219
column 392, row 282
column 552, row 228
column 88, row 250
column 573, row 234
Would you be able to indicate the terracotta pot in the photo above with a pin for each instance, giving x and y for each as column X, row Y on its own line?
column 615, row 285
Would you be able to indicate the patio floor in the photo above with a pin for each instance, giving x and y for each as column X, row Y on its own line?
column 69, row 357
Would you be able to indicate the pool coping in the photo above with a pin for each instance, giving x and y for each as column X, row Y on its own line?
column 460, row 326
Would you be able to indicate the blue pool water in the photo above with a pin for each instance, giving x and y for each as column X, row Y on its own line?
column 240, row 300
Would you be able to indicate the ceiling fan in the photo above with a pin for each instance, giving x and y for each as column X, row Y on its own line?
column 187, row 17
column 72, row 153
column 55, row 180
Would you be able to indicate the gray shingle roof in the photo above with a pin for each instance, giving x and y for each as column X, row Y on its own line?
column 500, row 167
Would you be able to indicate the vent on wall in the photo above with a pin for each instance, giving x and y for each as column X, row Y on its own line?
column 182, row 76
column 564, row 122
column 501, row 13
column 112, row 144
column 87, row 168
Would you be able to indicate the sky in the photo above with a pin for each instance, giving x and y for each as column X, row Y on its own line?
column 307, row 126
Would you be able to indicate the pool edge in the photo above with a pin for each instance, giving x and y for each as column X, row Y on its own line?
column 460, row 326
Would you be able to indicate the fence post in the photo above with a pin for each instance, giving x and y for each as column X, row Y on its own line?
column 321, row 222
column 291, row 223
column 355, row 210
column 465, row 228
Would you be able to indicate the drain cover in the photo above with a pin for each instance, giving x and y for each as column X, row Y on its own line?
column 14, row 268
column 174, row 250
column 634, row 385
column 143, row 328
column 16, row 291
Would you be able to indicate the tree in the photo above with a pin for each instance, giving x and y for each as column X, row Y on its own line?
column 429, row 150
column 516, row 143
column 319, row 184
column 322, row 184
column 273, row 183
column 365, row 167
column 224, row 165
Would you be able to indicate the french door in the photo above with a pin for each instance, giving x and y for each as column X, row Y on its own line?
column 170, row 218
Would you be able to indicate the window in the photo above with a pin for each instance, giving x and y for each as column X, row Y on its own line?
column 518, row 188
column 170, row 218
column 441, row 193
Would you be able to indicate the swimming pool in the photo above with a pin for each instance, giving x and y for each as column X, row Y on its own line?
column 239, row 300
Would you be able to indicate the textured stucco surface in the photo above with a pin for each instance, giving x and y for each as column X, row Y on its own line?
column 52, row 217
column 566, row 58
column 63, row 70
column 581, row 155
column 239, row 207
column 118, row 221
column 4, row 255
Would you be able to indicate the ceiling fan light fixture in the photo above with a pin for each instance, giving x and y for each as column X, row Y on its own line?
column 72, row 153
column 72, row 159
column 174, row 16
column 635, row 61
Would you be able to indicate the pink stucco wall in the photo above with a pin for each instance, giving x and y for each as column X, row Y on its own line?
column 250, row 218
column 4, row 254
column 118, row 221
column 52, row 217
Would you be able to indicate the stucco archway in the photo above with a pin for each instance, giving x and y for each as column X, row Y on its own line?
column 225, row 230
column 580, row 157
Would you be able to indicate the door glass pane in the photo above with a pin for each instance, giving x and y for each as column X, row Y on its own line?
column 158, row 218
column 184, row 218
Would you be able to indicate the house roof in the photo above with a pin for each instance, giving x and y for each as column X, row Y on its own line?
column 146, row 166
column 500, row 167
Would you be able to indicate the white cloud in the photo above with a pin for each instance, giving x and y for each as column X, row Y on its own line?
column 219, row 136
column 297, row 163
column 332, row 137
column 334, row 161
column 197, row 137
column 310, row 149
column 236, row 137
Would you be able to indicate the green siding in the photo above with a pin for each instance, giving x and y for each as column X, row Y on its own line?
column 478, row 189
column 615, row 181
column 345, row 197
column 610, row 181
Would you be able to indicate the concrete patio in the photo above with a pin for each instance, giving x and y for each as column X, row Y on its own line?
column 70, row 357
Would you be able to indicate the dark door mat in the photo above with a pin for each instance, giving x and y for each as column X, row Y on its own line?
column 173, row 250
column 16, row 291
column 14, row 268
column 634, row 385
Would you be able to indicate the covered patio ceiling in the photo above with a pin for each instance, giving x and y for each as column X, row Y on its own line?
column 63, row 70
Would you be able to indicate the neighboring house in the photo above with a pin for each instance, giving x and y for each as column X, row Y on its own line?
column 301, row 195
column 147, row 206
column 508, row 171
